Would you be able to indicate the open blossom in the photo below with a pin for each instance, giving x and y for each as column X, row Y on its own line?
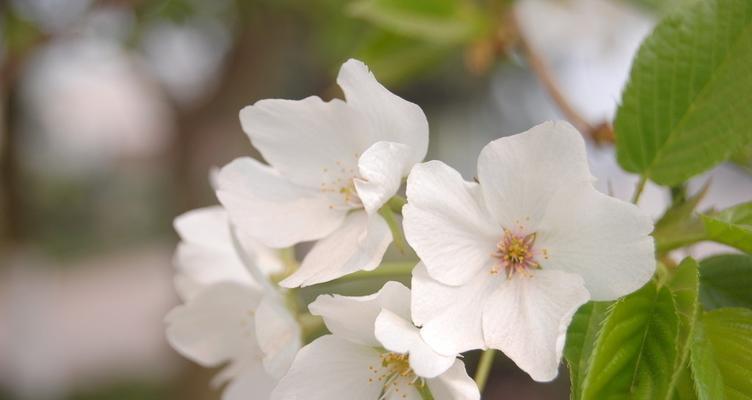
column 374, row 352
column 507, row 261
column 230, row 316
column 332, row 165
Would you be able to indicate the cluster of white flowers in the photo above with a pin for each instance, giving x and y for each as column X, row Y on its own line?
column 505, row 261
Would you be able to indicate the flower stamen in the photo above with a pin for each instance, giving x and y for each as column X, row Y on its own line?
column 395, row 373
column 516, row 254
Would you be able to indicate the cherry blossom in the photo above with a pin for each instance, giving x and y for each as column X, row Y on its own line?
column 507, row 261
column 331, row 167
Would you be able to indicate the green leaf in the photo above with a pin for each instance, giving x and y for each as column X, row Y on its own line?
column 726, row 281
column 732, row 226
column 722, row 355
column 685, row 287
column 743, row 159
column 436, row 21
column 581, row 335
column 685, row 389
column 679, row 226
column 635, row 352
column 705, row 372
column 686, row 106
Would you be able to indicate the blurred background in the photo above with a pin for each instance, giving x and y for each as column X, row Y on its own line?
column 114, row 112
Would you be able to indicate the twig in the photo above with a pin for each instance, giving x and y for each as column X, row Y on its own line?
column 601, row 133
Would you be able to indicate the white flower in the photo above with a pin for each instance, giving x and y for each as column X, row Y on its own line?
column 332, row 165
column 374, row 352
column 207, row 254
column 230, row 314
column 507, row 261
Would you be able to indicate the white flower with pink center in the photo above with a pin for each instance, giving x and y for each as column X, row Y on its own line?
column 332, row 166
column 507, row 261
column 375, row 352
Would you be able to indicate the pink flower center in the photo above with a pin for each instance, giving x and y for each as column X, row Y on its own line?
column 516, row 254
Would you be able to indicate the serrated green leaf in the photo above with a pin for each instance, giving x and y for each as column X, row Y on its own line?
column 705, row 373
column 436, row 21
column 685, row 287
column 581, row 335
column 726, row 281
column 686, row 106
column 732, row 226
column 722, row 355
column 684, row 389
column 635, row 351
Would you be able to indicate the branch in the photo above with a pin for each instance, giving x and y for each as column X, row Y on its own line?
column 601, row 133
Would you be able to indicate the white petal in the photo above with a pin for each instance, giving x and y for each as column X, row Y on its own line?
column 527, row 319
column 390, row 117
column 602, row 239
column 306, row 140
column 520, row 173
column 266, row 206
column 207, row 227
column 449, row 229
column 277, row 333
column 252, row 383
column 454, row 384
column 200, row 267
column 406, row 392
column 450, row 316
column 353, row 317
column 381, row 169
column 265, row 258
column 207, row 253
column 399, row 335
column 331, row 368
column 215, row 326
column 359, row 244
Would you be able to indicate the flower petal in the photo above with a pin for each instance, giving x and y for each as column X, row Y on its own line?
column 399, row 335
column 527, row 319
column 252, row 383
column 199, row 267
column 331, row 368
column 277, row 333
column 353, row 317
column 454, row 384
column 359, row 244
column 520, row 173
column 207, row 227
column 446, row 225
column 407, row 392
column 265, row 205
column 305, row 140
column 216, row 325
column 450, row 316
column 390, row 118
column 208, row 253
column 603, row 239
column 381, row 169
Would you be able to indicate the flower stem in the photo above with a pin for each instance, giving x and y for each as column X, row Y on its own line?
column 396, row 203
column 484, row 368
column 399, row 238
column 638, row 190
